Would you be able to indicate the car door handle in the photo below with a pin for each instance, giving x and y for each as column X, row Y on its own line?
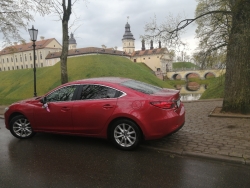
column 107, row 106
column 64, row 109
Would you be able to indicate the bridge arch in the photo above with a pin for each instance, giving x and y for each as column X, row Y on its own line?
column 176, row 76
column 209, row 75
column 192, row 75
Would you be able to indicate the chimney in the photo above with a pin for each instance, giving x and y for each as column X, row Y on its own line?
column 42, row 37
column 159, row 44
column 151, row 45
column 143, row 45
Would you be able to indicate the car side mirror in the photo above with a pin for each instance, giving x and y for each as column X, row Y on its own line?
column 45, row 104
column 43, row 100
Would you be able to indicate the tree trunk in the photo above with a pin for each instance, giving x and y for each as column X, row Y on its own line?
column 237, row 81
column 65, row 41
column 64, row 55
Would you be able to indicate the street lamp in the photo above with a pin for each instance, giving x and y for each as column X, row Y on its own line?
column 33, row 36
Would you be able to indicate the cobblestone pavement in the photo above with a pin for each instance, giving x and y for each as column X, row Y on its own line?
column 210, row 137
column 226, row 139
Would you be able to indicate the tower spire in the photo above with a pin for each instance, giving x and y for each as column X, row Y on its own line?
column 128, row 39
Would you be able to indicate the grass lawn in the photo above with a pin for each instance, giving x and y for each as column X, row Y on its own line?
column 19, row 84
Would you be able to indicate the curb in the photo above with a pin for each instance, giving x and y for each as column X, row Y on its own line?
column 221, row 158
column 212, row 114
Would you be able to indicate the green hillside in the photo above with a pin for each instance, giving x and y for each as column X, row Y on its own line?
column 179, row 65
column 19, row 84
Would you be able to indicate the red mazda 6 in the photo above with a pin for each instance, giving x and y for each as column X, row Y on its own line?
column 123, row 110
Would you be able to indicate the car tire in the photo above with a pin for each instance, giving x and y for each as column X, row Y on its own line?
column 20, row 127
column 125, row 134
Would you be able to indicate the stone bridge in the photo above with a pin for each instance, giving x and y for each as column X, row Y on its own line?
column 192, row 73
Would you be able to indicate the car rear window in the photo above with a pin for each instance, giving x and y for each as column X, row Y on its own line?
column 141, row 86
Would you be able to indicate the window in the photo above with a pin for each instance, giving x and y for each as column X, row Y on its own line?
column 30, row 57
column 25, row 57
column 21, row 66
column 158, row 69
column 41, row 57
column 16, row 67
column 11, row 59
column 98, row 92
column 148, row 57
column 20, row 58
column 7, row 60
column 62, row 94
column 27, row 66
column 16, row 59
column 3, row 60
column 141, row 87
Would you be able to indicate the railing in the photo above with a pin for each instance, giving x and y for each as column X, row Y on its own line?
column 193, row 68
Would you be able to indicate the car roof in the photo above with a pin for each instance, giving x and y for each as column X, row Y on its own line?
column 100, row 80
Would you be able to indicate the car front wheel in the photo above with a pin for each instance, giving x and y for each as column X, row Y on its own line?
column 20, row 127
column 125, row 134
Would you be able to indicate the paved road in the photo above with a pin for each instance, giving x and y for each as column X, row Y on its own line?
column 226, row 139
column 48, row 160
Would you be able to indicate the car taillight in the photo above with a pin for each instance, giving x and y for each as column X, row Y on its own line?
column 164, row 104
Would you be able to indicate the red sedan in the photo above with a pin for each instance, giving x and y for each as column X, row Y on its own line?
column 123, row 110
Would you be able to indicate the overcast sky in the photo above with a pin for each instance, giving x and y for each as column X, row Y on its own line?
column 103, row 21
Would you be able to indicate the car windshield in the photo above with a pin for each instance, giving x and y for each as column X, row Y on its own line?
column 141, row 86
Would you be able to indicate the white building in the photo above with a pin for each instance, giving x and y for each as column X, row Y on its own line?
column 21, row 56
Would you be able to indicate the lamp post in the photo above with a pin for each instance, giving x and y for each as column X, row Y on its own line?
column 33, row 36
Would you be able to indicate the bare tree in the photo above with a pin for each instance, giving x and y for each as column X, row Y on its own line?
column 63, row 8
column 234, row 20
column 15, row 15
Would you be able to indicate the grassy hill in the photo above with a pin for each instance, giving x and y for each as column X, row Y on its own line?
column 215, row 89
column 19, row 84
column 179, row 65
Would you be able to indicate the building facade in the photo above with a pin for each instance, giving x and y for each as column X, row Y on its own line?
column 128, row 40
column 21, row 56
column 157, row 59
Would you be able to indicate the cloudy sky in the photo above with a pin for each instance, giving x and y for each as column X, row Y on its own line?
column 103, row 21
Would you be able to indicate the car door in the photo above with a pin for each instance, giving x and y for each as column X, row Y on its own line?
column 58, row 116
column 95, row 106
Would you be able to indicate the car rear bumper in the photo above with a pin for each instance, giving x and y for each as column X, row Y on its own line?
column 162, row 127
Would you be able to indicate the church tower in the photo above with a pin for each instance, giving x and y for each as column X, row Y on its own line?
column 128, row 40
column 72, row 42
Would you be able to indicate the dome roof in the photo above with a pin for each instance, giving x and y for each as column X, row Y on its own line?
column 128, row 34
column 72, row 40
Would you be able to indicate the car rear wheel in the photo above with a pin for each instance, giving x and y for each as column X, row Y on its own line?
column 125, row 134
column 20, row 127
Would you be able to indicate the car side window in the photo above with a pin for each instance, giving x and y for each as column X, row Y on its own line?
column 97, row 92
column 62, row 94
